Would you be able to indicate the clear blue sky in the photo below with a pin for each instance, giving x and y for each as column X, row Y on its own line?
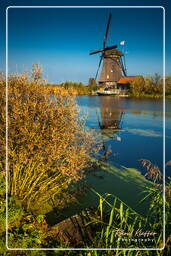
column 61, row 39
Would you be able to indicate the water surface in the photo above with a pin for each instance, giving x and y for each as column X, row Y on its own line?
column 140, row 133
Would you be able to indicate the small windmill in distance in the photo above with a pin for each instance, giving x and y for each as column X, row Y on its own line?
column 113, row 65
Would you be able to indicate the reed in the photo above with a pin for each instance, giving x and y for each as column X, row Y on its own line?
column 119, row 217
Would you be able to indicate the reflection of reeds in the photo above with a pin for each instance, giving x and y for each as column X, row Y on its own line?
column 107, row 150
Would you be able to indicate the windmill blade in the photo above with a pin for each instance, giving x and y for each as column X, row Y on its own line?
column 110, row 47
column 101, row 57
column 123, row 67
column 102, row 50
column 96, row 51
column 124, row 64
column 107, row 30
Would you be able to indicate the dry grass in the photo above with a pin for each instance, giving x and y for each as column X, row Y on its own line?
column 153, row 172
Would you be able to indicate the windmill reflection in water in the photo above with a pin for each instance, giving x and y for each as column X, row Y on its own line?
column 110, row 119
column 110, row 113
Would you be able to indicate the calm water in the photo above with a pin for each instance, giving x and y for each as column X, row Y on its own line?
column 140, row 133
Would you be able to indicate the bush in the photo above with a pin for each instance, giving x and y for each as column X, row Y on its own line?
column 149, row 86
column 48, row 146
column 168, row 85
column 137, row 87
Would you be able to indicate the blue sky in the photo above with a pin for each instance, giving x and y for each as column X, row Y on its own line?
column 61, row 39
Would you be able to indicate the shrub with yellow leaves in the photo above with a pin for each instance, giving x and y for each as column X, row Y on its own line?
column 48, row 145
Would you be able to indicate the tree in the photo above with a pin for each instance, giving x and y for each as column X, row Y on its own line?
column 137, row 86
column 168, row 84
column 156, row 79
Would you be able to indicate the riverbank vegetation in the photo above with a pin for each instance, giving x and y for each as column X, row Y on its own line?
column 150, row 87
column 143, row 86
column 75, row 88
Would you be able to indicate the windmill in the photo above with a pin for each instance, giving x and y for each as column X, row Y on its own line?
column 113, row 65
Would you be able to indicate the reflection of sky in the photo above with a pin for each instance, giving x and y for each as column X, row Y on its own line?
column 141, row 134
column 143, row 121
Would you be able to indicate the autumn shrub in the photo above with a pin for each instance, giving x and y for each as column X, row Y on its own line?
column 48, row 146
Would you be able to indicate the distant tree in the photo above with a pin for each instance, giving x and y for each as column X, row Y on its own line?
column 168, row 80
column 148, row 86
column 156, row 79
column 168, row 85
